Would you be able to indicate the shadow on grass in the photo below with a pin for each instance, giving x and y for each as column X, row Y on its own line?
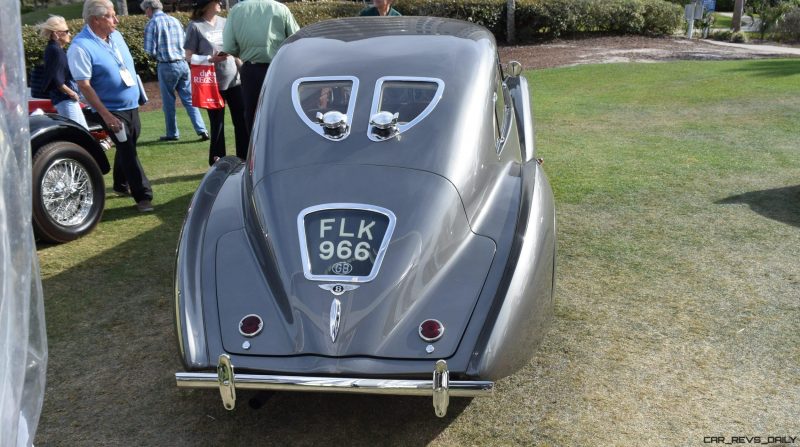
column 773, row 68
column 182, row 142
column 112, row 359
column 178, row 179
column 781, row 204
column 112, row 214
column 162, row 181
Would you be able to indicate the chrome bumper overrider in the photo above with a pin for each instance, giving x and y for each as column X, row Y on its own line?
column 440, row 387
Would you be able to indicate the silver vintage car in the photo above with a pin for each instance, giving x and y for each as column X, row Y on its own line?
column 392, row 231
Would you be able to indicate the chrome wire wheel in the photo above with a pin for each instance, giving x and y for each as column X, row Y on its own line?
column 67, row 192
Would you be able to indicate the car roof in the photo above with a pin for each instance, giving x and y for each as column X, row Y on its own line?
column 415, row 46
column 460, row 54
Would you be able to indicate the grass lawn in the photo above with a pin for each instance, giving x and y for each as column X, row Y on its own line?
column 678, row 195
column 69, row 11
column 722, row 21
column 677, row 306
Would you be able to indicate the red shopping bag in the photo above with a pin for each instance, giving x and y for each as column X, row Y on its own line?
column 205, row 90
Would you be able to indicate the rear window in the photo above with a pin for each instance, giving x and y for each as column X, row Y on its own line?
column 412, row 99
column 313, row 97
column 407, row 98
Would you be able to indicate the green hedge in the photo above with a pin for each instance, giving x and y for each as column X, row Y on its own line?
column 554, row 18
column 132, row 27
column 535, row 19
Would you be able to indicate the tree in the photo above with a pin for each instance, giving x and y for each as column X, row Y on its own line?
column 738, row 9
column 510, row 28
column 122, row 7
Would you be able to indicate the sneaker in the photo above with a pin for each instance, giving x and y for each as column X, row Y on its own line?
column 122, row 191
column 203, row 136
column 167, row 138
column 144, row 206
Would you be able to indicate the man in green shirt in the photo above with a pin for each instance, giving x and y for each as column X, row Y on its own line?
column 253, row 32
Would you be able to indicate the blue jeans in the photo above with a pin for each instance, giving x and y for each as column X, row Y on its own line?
column 72, row 110
column 174, row 76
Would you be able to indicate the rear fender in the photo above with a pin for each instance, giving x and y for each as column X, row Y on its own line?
column 48, row 128
column 189, row 323
column 525, row 309
column 520, row 93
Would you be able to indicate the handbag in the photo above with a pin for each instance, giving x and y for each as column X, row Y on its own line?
column 39, row 82
column 205, row 90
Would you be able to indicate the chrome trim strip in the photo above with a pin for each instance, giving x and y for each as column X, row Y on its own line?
column 376, row 266
column 336, row 317
column 403, row 127
column 351, row 105
column 398, row 387
column 177, row 299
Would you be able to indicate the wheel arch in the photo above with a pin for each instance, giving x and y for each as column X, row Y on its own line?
column 45, row 129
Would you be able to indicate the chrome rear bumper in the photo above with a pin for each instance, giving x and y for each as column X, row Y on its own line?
column 439, row 387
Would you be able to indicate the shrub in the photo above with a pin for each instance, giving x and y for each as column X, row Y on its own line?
column 554, row 18
column 789, row 26
column 132, row 27
column 661, row 18
column 724, row 35
column 739, row 37
column 771, row 16
column 623, row 17
column 729, row 36
column 306, row 13
column 488, row 13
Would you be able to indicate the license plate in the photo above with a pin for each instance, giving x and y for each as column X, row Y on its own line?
column 344, row 242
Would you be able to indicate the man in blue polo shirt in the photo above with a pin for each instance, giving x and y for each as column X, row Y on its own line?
column 101, row 64
column 163, row 40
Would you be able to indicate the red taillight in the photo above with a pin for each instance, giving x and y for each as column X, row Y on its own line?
column 251, row 325
column 99, row 134
column 431, row 330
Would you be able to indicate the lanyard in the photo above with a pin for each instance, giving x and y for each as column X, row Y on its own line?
column 112, row 49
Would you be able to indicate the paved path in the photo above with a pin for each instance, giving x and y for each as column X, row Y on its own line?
column 765, row 49
column 749, row 24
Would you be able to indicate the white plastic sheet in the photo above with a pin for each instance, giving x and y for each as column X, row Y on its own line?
column 23, row 344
